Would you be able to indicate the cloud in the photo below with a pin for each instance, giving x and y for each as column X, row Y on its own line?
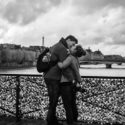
column 111, row 27
column 106, row 26
column 3, row 30
column 4, row 27
column 86, row 6
column 107, row 49
column 25, row 11
column 99, row 24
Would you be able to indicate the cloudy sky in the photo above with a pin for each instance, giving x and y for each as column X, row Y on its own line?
column 98, row 24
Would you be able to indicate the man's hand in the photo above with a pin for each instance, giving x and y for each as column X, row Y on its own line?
column 46, row 58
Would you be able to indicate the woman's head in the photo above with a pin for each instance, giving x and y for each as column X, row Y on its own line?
column 77, row 51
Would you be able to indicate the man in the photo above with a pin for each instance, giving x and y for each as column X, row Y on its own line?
column 59, row 51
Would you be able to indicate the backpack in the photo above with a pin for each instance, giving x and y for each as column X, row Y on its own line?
column 44, row 66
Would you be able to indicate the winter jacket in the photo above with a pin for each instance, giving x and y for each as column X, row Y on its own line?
column 60, row 53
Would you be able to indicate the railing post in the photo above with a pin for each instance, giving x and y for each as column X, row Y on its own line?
column 18, row 99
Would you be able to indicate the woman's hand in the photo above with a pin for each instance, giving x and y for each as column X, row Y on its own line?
column 59, row 64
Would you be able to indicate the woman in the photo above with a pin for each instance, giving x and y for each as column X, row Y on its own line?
column 72, row 60
column 67, row 82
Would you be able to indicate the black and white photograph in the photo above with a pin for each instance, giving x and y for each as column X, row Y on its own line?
column 62, row 62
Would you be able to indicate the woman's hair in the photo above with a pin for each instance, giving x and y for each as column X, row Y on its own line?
column 80, row 51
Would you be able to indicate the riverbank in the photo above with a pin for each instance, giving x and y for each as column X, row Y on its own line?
column 16, row 67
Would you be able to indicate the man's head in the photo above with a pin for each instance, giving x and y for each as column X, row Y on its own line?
column 71, row 41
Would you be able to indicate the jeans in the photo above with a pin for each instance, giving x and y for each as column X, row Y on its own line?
column 65, row 90
column 69, row 101
column 53, row 93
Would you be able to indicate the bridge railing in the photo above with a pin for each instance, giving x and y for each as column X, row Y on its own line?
column 25, row 96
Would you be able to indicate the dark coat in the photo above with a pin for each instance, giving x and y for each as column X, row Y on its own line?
column 59, row 52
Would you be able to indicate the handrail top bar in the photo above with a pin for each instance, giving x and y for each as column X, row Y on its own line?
column 37, row 75
column 21, row 75
column 105, row 77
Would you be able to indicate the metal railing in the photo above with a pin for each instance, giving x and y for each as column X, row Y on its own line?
column 25, row 96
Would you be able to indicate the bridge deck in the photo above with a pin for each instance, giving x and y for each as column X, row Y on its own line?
column 101, row 62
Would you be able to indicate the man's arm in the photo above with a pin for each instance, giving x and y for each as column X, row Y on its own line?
column 60, row 52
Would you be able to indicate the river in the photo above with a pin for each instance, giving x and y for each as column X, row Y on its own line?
column 85, row 70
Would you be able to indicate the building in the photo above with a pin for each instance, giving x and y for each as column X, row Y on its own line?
column 97, row 55
column 113, row 58
column 35, row 48
column 10, row 46
column 90, row 55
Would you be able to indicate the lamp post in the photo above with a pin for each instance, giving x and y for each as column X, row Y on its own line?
column 43, row 41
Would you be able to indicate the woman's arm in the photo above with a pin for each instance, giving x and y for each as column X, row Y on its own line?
column 75, row 67
column 78, row 76
column 65, row 63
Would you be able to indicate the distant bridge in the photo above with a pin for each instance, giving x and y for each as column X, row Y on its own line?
column 108, row 63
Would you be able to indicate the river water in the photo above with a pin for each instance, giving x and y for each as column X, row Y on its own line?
column 85, row 70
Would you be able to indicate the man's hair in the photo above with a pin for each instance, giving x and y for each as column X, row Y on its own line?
column 72, row 38
column 80, row 51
